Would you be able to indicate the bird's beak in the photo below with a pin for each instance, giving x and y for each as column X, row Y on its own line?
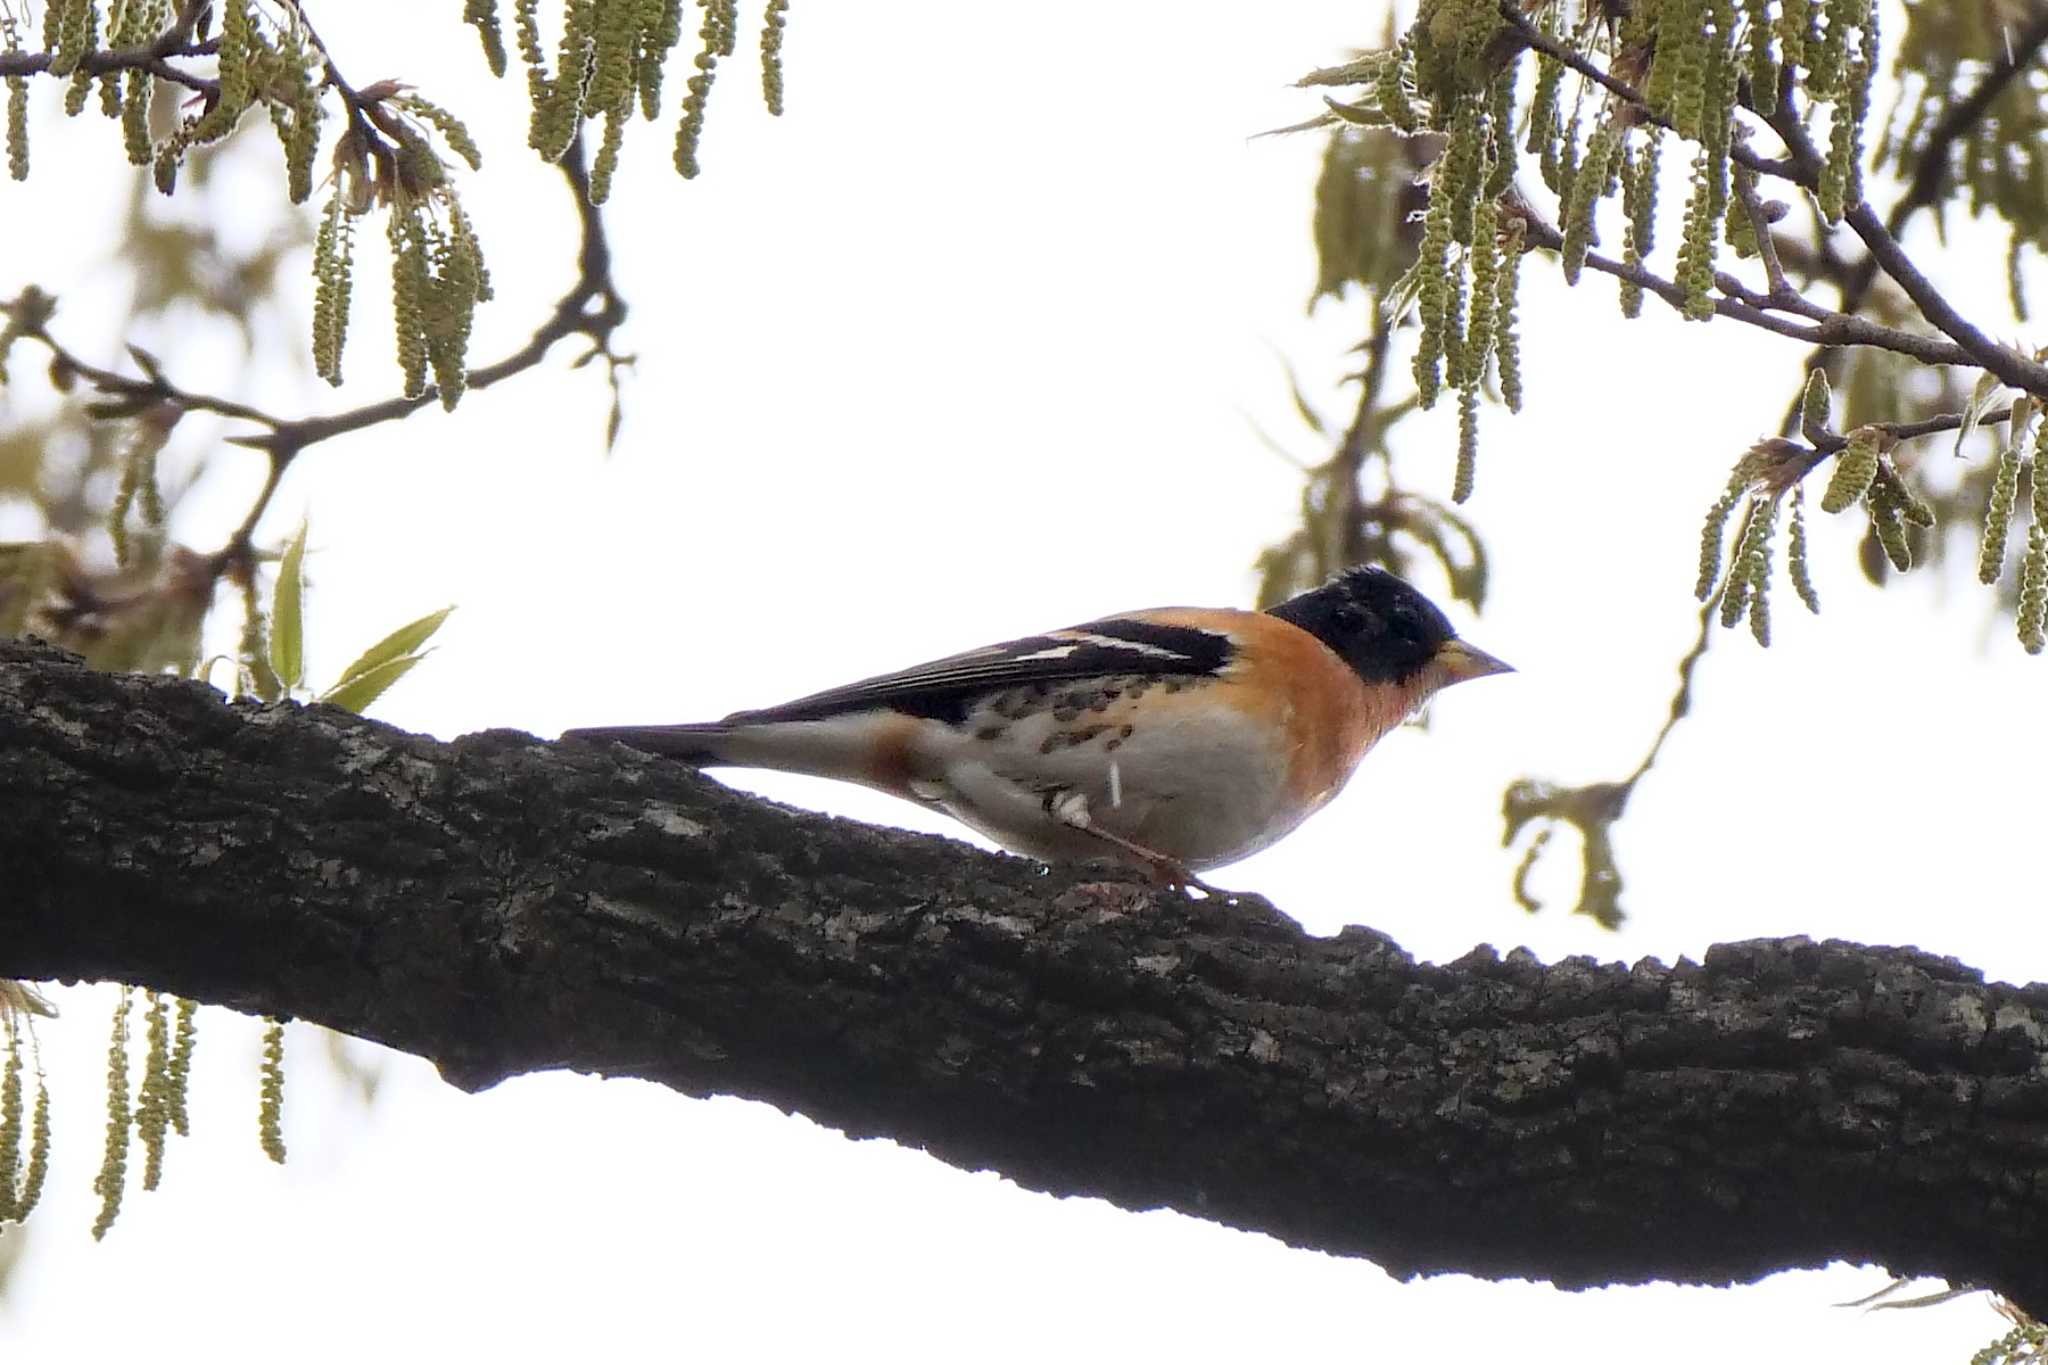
column 1461, row 662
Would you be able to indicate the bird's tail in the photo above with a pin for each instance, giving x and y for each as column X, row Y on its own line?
column 690, row 743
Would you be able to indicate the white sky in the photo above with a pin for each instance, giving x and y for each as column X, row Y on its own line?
column 967, row 345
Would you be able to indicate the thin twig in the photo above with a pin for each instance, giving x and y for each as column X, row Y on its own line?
column 153, row 57
column 1766, row 240
column 1738, row 301
column 2009, row 365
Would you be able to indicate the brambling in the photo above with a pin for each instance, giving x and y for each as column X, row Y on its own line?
column 1177, row 739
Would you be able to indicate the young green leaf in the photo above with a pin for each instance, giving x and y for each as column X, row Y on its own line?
column 1981, row 397
column 287, row 635
column 407, row 639
column 358, row 692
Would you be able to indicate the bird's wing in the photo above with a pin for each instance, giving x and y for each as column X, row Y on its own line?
column 1153, row 644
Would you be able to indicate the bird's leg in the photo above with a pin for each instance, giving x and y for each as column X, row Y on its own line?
column 1070, row 808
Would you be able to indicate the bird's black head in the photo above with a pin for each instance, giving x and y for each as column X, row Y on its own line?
column 1379, row 625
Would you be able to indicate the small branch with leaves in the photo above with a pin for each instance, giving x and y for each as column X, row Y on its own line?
column 592, row 309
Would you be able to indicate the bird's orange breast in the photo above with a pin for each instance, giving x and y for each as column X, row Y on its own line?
column 1293, row 685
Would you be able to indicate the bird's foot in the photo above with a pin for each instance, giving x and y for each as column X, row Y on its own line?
column 1071, row 809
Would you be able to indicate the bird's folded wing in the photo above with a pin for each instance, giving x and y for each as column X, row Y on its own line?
column 1149, row 644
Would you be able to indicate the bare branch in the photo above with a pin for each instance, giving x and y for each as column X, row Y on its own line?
column 1738, row 301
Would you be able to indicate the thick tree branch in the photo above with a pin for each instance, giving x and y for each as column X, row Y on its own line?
column 499, row 905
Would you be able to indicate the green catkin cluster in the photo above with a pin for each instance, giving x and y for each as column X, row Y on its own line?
column 17, row 127
column 1747, row 590
column 1763, row 66
column 1795, row 553
column 138, row 479
column 112, row 1179
column 1711, row 536
column 1468, row 443
column 296, row 118
column 2005, row 487
column 1507, row 341
column 12, row 1129
column 1892, row 506
column 1695, row 270
column 2033, row 606
column 1561, row 169
column 1451, row 41
column 1795, row 24
column 2032, row 615
column 21, row 1182
column 717, row 36
column 1740, row 480
column 186, row 1035
column 1500, row 134
column 772, row 25
column 1433, row 262
column 656, row 44
column 452, row 130
column 333, row 274
column 152, row 1109
column 1827, row 59
column 437, row 280
column 1390, row 90
column 1482, row 330
column 1855, row 470
column 1678, row 70
column 1717, row 106
column 1639, row 208
column 410, row 273
column 1695, row 74
column 135, row 120
column 1816, row 405
column 84, row 38
column 483, row 15
column 608, row 61
column 270, row 1093
column 237, row 78
column 1592, row 183
column 17, row 104
column 1736, row 228
column 1544, row 129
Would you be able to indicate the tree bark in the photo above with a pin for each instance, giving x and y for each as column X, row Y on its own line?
column 500, row 905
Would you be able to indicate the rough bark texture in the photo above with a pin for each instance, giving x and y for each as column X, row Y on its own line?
column 500, row 905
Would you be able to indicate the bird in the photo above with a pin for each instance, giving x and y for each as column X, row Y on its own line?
column 1174, row 739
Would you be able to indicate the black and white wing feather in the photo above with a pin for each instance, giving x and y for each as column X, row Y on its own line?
column 1143, row 644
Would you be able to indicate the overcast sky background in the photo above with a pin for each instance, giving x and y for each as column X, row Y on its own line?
column 972, row 343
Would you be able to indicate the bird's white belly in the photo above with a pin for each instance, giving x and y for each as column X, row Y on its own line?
column 1200, row 800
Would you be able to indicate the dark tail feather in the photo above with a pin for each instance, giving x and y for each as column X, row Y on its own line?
column 690, row 743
